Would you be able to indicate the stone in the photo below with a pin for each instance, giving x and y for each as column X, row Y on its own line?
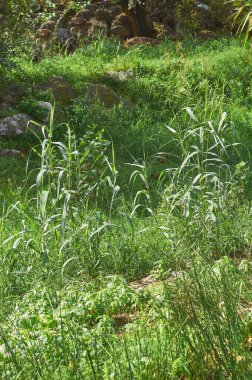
column 12, row 94
column 63, row 21
column 77, row 22
column 61, row 89
column 58, row 114
column 78, row 33
column 97, row 27
column 16, row 125
column 141, row 41
column 102, row 93
column 121, row 26
column 12, row 153
column 104, row 15
column 116, row 10
column 43, row 33
column 49, row 25
column 62, row 35
column 5, row 108
column 85, row 14
column 91, row 7
column 121, row 75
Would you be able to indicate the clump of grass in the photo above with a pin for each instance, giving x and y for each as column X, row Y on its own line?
column 95, row 215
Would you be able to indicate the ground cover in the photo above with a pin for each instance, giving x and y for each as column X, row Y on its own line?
column 157, row 188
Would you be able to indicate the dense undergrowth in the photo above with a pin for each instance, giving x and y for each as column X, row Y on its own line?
column 160, row 188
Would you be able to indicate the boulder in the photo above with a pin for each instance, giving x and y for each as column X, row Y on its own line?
column 49, row 25
column 104, row 15
column 77, row 22
column 58, row 114
column 103, row 94
column 141, row 41
column 63, row 21
column 63, row 36
column 121, row 75
column 12, row 153
column 44, row 34
column 116, row 10
column 121, row 26
column 85, row 14
column 97, row 27
column 61, row 89
column 12, row 94
column 5, row 108
column 16, row 125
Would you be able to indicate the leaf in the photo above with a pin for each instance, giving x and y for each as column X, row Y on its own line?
column 191, row 114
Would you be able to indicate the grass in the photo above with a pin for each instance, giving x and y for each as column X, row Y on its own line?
column 161, row 190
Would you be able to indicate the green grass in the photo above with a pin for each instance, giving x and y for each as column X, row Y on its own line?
column 160, row 188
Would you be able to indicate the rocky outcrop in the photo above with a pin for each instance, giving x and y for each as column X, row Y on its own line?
column 12, row 94
column 12, row 153
column 141, row 41
column 121, row 27
column 60, row 88
column 103, row 94
column 14, row 126
column 94, row 20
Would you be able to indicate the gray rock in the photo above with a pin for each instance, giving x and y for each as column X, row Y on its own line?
column 97, row 27
column 121, row 75
column 103, row 94
column 11, row 153
column 63, row 36
column 4, row 107
column 12, row 94
column 16, row 125
column 58, row 114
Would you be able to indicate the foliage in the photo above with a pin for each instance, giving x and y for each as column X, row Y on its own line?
column 158, row 189
column 242, row 15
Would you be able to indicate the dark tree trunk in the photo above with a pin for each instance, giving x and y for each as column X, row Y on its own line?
column 138, row 20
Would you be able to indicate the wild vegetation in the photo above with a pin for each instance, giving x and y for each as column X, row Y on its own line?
column 126, row 231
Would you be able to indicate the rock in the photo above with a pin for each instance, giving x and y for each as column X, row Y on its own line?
column 44, row 33
column 121, row 26
column 78, row 33
column 12, row 153
column 85, row 14
column 12, row 94
column 3, row 6
column 103, row 94
column 121, row 75
column 63, row 21
column 91, row 7
column 63, row 36
column 163, row 32
column 16, row 125
column 58, row 114
column 97, row 27
column 49, row 25
column 4, row 107
column 116, row 10
column 204, row 6
column 141, row 41
column 77, row 22
column 61, row 89
column 104, row 15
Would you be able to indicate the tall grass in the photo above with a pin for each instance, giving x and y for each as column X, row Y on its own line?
column 64, row 243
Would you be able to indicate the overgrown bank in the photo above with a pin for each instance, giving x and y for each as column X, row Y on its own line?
column 169, row 199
